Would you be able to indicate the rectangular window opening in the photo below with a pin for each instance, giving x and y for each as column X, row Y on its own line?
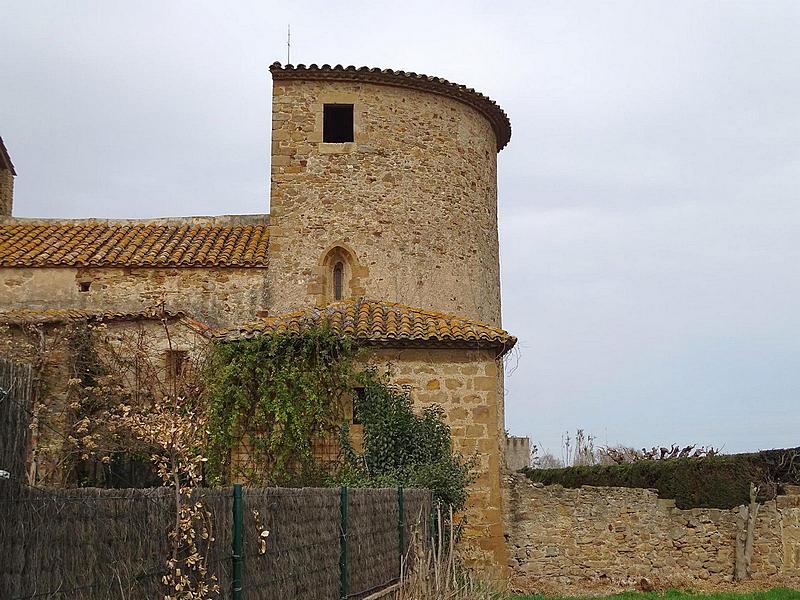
column 337, row 123
column 84, row 286
column 177, row 361
column 358, row 397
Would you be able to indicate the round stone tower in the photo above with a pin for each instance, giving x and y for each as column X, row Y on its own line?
column 384, row 184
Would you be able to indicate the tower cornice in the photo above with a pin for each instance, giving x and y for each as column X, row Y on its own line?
column 496, row 116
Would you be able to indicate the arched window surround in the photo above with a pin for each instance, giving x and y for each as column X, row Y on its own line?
column 338, row 275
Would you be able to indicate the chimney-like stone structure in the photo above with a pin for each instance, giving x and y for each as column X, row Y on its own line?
column 518, row 453
column 7, row 174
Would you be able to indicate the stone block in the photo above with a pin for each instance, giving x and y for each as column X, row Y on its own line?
column 485, row 384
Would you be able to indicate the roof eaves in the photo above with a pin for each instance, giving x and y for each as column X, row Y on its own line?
column 21, row 317
column 503, row 347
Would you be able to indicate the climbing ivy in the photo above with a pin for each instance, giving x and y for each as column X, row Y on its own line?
column 270, row 399
column 401, row 447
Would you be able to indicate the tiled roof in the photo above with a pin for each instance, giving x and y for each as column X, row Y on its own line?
column 490, row 109
column 58, row 316
column 383, row 324
column 132, row 244
column 25, row 316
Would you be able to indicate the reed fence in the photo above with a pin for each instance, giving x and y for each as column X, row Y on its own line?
column 16, row 404
column 89, row 543
column 108, row 544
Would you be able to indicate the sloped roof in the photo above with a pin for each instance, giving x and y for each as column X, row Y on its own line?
column 26, row 316
column 483, row 104
column 5, row 158
column 381, row 323
column 133, row 244
column 70, row 315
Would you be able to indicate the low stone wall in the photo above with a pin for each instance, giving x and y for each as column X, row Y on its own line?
column 596, row 536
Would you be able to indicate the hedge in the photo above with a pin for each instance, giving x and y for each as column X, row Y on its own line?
column 709, row 482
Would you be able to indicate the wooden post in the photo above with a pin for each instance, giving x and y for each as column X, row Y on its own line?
column 745, row 536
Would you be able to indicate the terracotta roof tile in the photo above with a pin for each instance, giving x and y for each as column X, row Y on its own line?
column 25, row 316
column 132, row 244
column 381, row 323
column 20, row 317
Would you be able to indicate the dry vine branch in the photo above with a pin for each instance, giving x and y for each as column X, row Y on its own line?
column 121, row 398
column 433, row 571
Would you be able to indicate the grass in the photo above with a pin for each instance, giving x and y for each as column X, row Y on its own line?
column 778, row 594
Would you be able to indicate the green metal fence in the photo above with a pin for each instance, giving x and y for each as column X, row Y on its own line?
column 369, row 542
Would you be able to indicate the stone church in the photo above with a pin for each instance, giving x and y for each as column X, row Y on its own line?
column 382, row 222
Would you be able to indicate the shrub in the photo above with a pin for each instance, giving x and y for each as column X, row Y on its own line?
column 402, row 448
column 721, row 481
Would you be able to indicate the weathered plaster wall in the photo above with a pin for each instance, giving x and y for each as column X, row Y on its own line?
column 616, row 536
column 218, row 296
column 468, row 385
column 6, row 192
column 414, row 198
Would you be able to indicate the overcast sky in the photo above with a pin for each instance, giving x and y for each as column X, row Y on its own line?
column 649, row 198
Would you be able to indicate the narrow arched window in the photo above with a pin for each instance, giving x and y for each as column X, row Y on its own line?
column 338, row 275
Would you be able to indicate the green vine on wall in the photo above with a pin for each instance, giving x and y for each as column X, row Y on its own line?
column 270, row 398
column 402, row 447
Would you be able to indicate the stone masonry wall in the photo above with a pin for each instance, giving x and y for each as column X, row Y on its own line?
column 468, row 385
column 413, row 199
column 217, row 296
column 595, row 536
column 6, row 192
column 517, row 453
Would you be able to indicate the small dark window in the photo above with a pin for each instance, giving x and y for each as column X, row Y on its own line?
column 338, row 276
column 84, row 286
column 337, row 123
column 358, row 398
column 176, row 362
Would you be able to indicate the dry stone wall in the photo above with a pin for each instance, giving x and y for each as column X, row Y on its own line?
column 595, row 536
column 413, row 198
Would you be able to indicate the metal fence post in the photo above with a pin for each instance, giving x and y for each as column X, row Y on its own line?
column 237, row 542
column 401, row 525
column 343, row 591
